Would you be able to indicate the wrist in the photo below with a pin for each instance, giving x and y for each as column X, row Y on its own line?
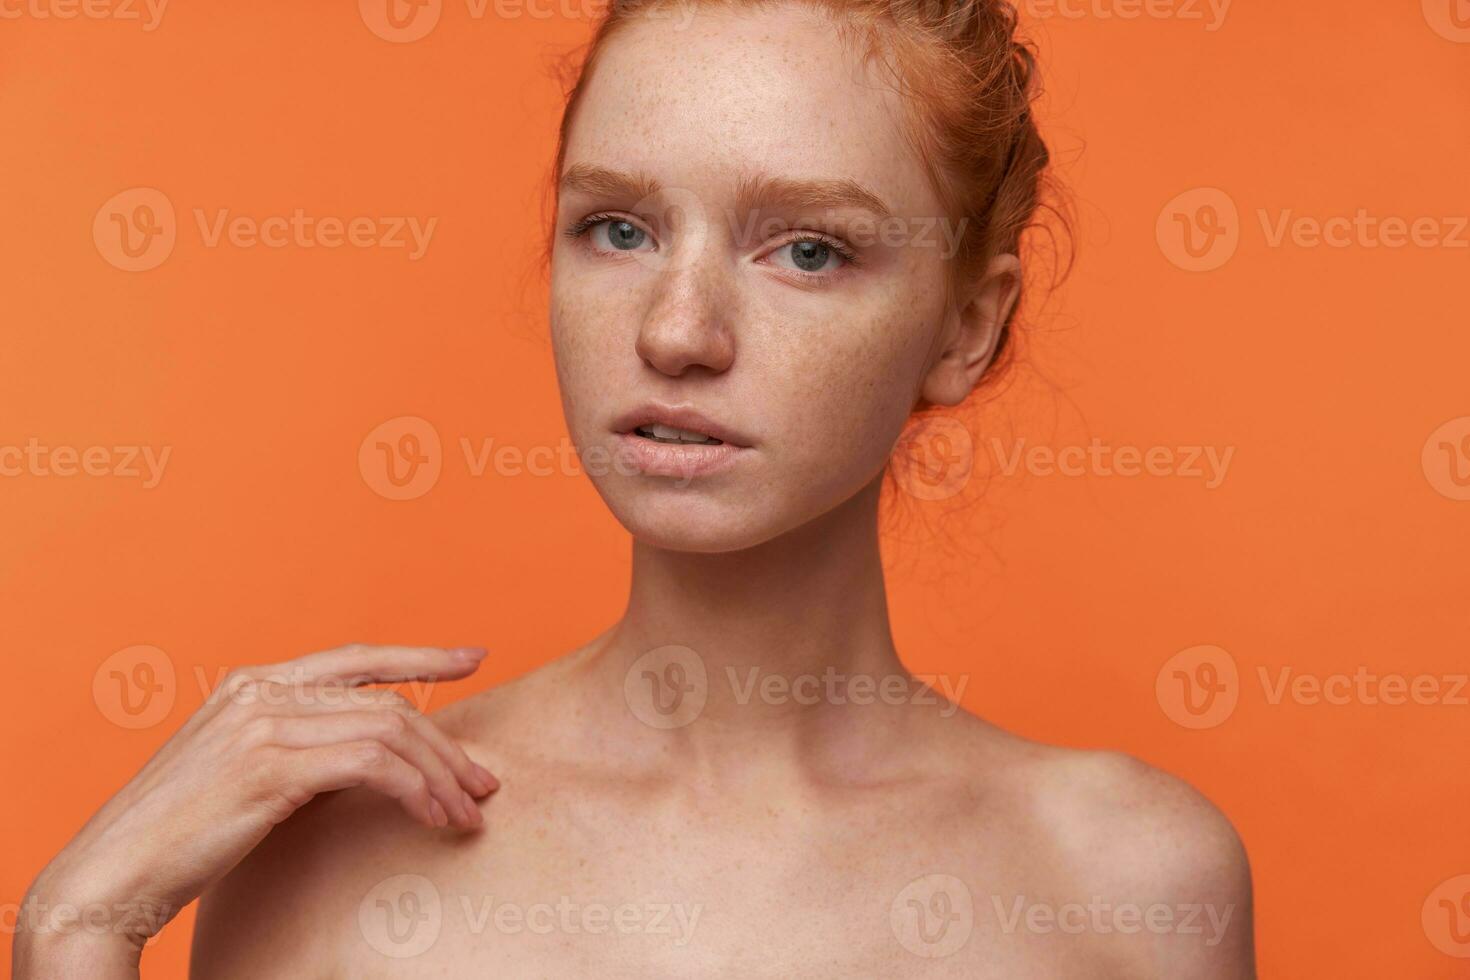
column 64, row 928
column 50, row 944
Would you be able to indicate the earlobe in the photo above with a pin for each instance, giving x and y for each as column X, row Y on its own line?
column 972, row 340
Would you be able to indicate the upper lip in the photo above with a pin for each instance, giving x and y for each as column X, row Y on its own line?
column 679, row 417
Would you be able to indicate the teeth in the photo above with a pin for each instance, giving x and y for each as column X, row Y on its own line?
column 667, row 433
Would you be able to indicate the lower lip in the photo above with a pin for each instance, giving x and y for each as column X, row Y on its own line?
column 683, row 460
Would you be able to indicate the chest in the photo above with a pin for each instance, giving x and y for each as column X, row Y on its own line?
column 559, row 888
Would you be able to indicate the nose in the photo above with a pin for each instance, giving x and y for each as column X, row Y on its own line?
column 687, row 326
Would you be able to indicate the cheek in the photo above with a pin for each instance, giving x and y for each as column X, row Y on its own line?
column 852, row 383
column 588, row 333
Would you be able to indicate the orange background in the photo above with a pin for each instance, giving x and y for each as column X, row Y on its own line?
column 1327, row 547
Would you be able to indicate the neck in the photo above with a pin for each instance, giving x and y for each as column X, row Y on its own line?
column 775, row 629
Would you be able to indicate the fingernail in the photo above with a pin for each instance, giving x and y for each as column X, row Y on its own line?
column 441, row 819
column 470, row 808
column 488, row 783
column 471, row 655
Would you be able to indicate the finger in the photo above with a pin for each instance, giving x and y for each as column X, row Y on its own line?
column 394, row 730
column 473, row 776
column 367, row 763
column 282, row 699
column 358, row 663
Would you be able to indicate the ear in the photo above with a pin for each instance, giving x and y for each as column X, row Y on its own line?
column 971, row 332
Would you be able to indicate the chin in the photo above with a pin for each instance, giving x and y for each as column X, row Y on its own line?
column 691, row 518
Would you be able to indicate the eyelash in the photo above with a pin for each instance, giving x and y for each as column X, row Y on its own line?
column 579, row 229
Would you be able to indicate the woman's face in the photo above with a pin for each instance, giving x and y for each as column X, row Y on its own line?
column 717, row 170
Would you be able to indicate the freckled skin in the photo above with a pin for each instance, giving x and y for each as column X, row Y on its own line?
column 790, row 832
column 824, row 377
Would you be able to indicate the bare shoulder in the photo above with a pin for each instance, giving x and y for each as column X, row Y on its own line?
column 291, row 907
column 1159, row 872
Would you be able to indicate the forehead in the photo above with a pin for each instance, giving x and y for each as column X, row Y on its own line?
column 694, row 97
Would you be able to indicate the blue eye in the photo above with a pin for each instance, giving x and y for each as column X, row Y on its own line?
column 808, row 255
column 616, row 235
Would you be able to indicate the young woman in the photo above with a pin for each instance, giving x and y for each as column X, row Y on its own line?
column 781, row 228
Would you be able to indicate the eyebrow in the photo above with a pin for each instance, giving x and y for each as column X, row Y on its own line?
column 757, row 192
column 753, row 192
column 592, row 179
